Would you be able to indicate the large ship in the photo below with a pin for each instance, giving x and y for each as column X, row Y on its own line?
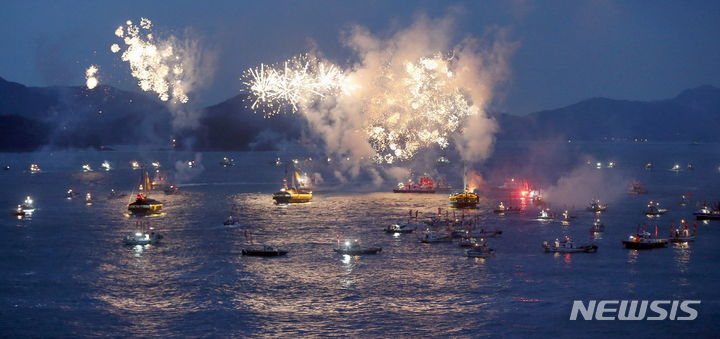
column 143, row 205
column 292, row 194
column 465, row 199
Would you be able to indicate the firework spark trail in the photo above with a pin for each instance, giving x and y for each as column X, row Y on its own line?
column 91, row 80
column 292, row 85
column 156, row 64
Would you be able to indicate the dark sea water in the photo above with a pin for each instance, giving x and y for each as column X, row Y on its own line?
column 65, row 272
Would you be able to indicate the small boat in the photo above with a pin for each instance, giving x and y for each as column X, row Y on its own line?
column 135, row 165
column 353, row 248
column 567, row 216
column 653, row 209
column 86, row 168
column 676, row 168
column 227, row 162
column 481, row 233
column 596, row 206
column 88, row 198
column 18, row 212
column 611, row 164
column 637, row 188
column 443, row 161
column 293, row 194
column 106, row 166
column 502, row 209
column 27, row 207
column 480, row 250
column 142, row 238
column 597, row 226
column 71, row 194
column 649, row 166
column 6, row 167
column 264, row 251
column 431, row 237
column 171, row 189
column 690, row 166
column 143, row 205
column 231, row 221
column 684, row 200
column 567, row 246
column 545, row 214
column 401, row 228
column 682, row 234
column 644, row 240
column 155, row 164
column 706, row 213
column 468, row 242
column 34, row 168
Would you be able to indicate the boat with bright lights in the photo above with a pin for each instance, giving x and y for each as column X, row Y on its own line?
column 546, row 214
column 86, row 168
column 293, row 194
column 71, row 194
column 644, row 240
column 649, row 166
column 707, row 213
column 682, row 234
column 401, row 227
column 264, row 251
column 676, row 168
column 466, row 199
column 597, row 207
column 142, row 236
column 480, row 250
column 143, row 204
column 568, row 246
column 654, row 209
column 227, row 162
column 353, row 247
column 597, row 226
column 34, row 168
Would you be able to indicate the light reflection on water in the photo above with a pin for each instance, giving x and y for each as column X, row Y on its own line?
column 67, row 270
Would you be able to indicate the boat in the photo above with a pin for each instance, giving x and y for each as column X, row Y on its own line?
column 690, row 166
column 19, row 212
column 597, row 226
column 567, row 216
column 431, row 237
column 155, row 164
column 231, row 221
column 86, row 168
column 88, row 198
column 545, row 214
column 465, row 199
column 596, row 206
column 71, row 194
column 426, row 185
column 649, row 166
column 468, row 242
column 637, row 188
column 6, row 167
column 401, row 228
column 353, row 247
column 568, row 246
column 292, row 194
column 707, row 213
column 676, row 168
column 170, row 190
column 653, row 209
column 143, row 204
column 34, row 168
column 682, row 234
column 142, row 237
column 227, row 162
column 443, row 161
column 264, row 251
column 644, row 240
column 502, row 209
column 684, row 200
column 611, row 164
column 481, row 233
column 27, row 206
column 135, row 165
column 480, row 250
column 106, row 166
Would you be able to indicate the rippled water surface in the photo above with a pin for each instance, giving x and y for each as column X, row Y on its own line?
column 65, row 271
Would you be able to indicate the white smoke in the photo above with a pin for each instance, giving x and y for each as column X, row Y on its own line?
column 585, row 183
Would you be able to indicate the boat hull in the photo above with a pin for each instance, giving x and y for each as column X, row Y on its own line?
column 705, row 216
column 263, row 253
column 413, row 191
column 581, row 249
column 371, row 250
column 292, row 198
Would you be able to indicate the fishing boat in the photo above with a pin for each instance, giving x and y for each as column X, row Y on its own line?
column 401, row 227
column 34, row 168
column 143, row 205
column 71, row 194
column 502, row 209
column 443, row 161
column 690, row 166
column 135, row 165
column 467, row 198
column 480, row 250
column 431, row 237
column 637, row 188
column 476, row 233
column 567, row 216
column 597, row 226
column 653, row 209
column 353, row 247
column 142, row 237
column 86, row 168
column 545, row 214
column 425, row 185
column 644, row 240
column 227, row 162
column 707, row 213
column 106, row 166
column 649, row 166
column 568, row 246
column 682, row 234
column 19, row 212
column 264, row 251
column 292, row 194
column 27, row 206
column 596, row 206
column 468, row 242
column 684, row 200
column 676, row 168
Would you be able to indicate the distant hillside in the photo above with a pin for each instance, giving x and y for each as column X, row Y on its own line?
column 692, row 115
column 33, row 117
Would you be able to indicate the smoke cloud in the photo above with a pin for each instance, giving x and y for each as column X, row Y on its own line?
column 585, row 183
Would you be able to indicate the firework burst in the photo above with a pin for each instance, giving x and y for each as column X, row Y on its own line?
column 91, row 80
